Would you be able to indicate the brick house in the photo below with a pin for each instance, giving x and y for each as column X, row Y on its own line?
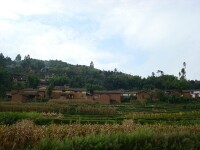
column 107, row 97
column 173, row 92
column 142, row 96
column 16, row 96
column 186, row 93
column 42, row 92
column 71, row 94
column 24, row 95
column 56, row 94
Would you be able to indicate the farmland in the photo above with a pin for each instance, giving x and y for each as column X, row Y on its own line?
column 93, row 126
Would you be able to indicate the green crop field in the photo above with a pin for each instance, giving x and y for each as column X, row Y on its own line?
column 153, row 125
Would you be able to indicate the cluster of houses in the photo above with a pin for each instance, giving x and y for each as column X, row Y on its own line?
column 81, row 95
column 65, row 93
column 155, row 94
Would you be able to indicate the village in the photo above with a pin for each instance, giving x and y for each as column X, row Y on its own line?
column 81, row 95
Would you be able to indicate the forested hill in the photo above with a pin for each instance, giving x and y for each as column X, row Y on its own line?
column 32, row 71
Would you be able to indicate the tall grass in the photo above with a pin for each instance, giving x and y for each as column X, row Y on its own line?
column 138, row 140
column 128, row 135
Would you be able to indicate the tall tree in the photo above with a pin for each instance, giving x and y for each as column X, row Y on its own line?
column 18, row 58
column 184, row 65
column 26, row 63
column 2, row 60
column 161, row 72
column 4, row 81
column 182, row 74
column 91, row 64
column 153, row 74
column 33, row 81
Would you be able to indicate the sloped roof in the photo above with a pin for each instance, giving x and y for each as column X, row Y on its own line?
column 66, row 88
column 30, row 93
column 108, row 92
column 43, row 88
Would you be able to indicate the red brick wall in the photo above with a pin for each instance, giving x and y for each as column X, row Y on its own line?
column 104, row 99
column 82, row 100
column 18, row 98
column 42, row 94
column 116, row 97
column 62, row 98
column 55, row 95
column 77, row 95
column 186, row 94
column 142, row 96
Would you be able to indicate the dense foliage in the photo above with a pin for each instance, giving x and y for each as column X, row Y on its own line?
column 56, row 72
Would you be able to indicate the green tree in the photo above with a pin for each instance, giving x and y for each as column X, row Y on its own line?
column 37, row 65
column 18, row 85
column 2, row 60
column 161, row 72
column 153, row 74
column 182, row 74
column 18, row 58
column 4, row 81
column 33, row 81
column 91, row 64
column 49, row 89
column 26, row 63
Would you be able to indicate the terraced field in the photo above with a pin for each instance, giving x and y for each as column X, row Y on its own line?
column 93, row 126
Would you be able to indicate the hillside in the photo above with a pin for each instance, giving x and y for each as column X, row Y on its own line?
column 30, row 72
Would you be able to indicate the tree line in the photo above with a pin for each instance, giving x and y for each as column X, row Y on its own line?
column 58, row 73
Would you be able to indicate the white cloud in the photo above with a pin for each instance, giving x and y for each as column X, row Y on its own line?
column 14, row 9
column 168, row 32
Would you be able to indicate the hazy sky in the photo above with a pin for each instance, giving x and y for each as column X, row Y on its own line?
column 135, row 36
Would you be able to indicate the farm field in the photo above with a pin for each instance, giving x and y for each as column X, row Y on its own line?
column 153, row 125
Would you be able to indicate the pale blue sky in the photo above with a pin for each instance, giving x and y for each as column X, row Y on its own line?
column 135, row 36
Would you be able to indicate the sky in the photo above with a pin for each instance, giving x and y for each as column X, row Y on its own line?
column 137, row 37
